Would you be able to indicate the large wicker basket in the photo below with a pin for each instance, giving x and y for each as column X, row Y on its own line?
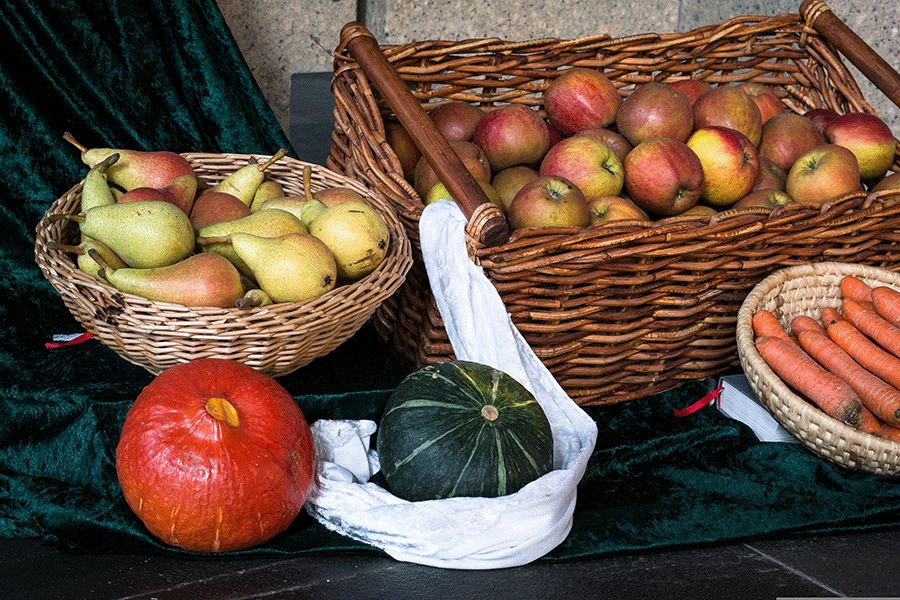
column 275, row 339
column 806, row 290
column 619, row 311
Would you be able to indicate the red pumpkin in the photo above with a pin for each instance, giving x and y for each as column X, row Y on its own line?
column 215, row 456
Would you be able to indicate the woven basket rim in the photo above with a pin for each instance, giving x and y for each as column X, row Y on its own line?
column 340, row 309
column 845, row 441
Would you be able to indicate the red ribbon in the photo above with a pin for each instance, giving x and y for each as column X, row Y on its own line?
column 75, row 340
column 705, row 400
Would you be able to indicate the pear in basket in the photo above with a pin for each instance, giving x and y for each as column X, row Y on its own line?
column 244, row 182
column 290, row 268
column 264, row 223
column 269, row 188
column 136, row 168
column 355, row 233
column 199, row 280
column 144, row 234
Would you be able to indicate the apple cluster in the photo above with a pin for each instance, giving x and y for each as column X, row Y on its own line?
column 596, row 154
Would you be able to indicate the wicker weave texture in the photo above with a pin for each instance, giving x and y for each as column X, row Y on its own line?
column 806, row 290
column 275, row 339
column 623, row 310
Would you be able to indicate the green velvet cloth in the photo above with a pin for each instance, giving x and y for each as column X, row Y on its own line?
column 154, row 75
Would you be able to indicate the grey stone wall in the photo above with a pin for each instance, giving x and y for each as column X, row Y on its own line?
column 282, row 37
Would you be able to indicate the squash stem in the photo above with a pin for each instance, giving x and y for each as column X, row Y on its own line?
column 490, row 412
column 222, row 410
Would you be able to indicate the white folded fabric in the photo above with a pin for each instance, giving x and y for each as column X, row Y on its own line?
column 459, row 533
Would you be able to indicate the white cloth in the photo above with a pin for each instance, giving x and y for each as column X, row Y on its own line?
column 459, row 533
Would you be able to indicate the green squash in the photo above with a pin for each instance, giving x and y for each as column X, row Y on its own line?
column 460, row 428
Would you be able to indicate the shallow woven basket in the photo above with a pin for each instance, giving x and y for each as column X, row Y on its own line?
column 806, row 290
column 622, row 310
column 275, row 339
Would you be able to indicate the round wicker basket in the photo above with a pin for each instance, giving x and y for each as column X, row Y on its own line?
column 807, row 289
column 275, row 339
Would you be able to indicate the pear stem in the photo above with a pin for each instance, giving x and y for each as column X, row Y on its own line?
column 275, row 158
column 71, row 139
column 97, row 258
column 307, row 177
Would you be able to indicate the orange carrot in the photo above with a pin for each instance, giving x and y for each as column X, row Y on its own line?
column 855, row 288
column 864, row 351
column 765, row 323
column 876, row 395
column 798, row 370
column 873, row 326
column 869, row 423
column 830, row 315
column 887, row 303
column 806, row 323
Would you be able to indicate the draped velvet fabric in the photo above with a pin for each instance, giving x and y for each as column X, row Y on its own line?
column 168, row 75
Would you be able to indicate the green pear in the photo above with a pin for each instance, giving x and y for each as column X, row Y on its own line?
column 85, row 259
column 292, row 204
column 96, row 190
column 292, row 268
column 267, row 189
column 263, row 223
column 144, row 234
column 311, row 211
column 198, row 280
column 356, row 234
column 136, row 168
column 254, row 297
column 244, row 182
column 180, row 193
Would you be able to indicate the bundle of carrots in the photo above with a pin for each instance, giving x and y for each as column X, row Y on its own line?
column 848, row 362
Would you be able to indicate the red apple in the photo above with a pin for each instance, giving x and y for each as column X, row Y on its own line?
column 730, row 164
column 588, row 163
column 549, row 200
column 217, row 207
column 786, row 136
column 663, row 176
column 729, row 106
column 767, row 100
column 456, row 120
column 821, row 117
column 555, row 134
column 513, row 134
column 581, row 98
column 472, row 157
column 868, row 137
column 771, row 176
column 824, row 173
column 615, row 140
column 704, row 210
column 509, row 181
column 404, row 147
column 655, row 110
column 692, row 88
column 615, row 208
column 764, row 199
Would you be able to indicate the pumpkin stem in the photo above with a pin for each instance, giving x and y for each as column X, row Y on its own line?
column 490, row 412
column 222, row 410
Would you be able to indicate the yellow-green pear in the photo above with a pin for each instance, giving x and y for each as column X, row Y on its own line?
column 136, row 168
column 144, row 234
column 96, row 190
column 254, row 297
column 198, row 280
column 269, row 188
column 292, row 268
column 356, row 234
column 311, row 210
column 244, row 182
column 272, row 222
column 292, row 204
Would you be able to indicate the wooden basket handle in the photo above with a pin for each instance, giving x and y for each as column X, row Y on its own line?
column 362, row 45
column 818, row 16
